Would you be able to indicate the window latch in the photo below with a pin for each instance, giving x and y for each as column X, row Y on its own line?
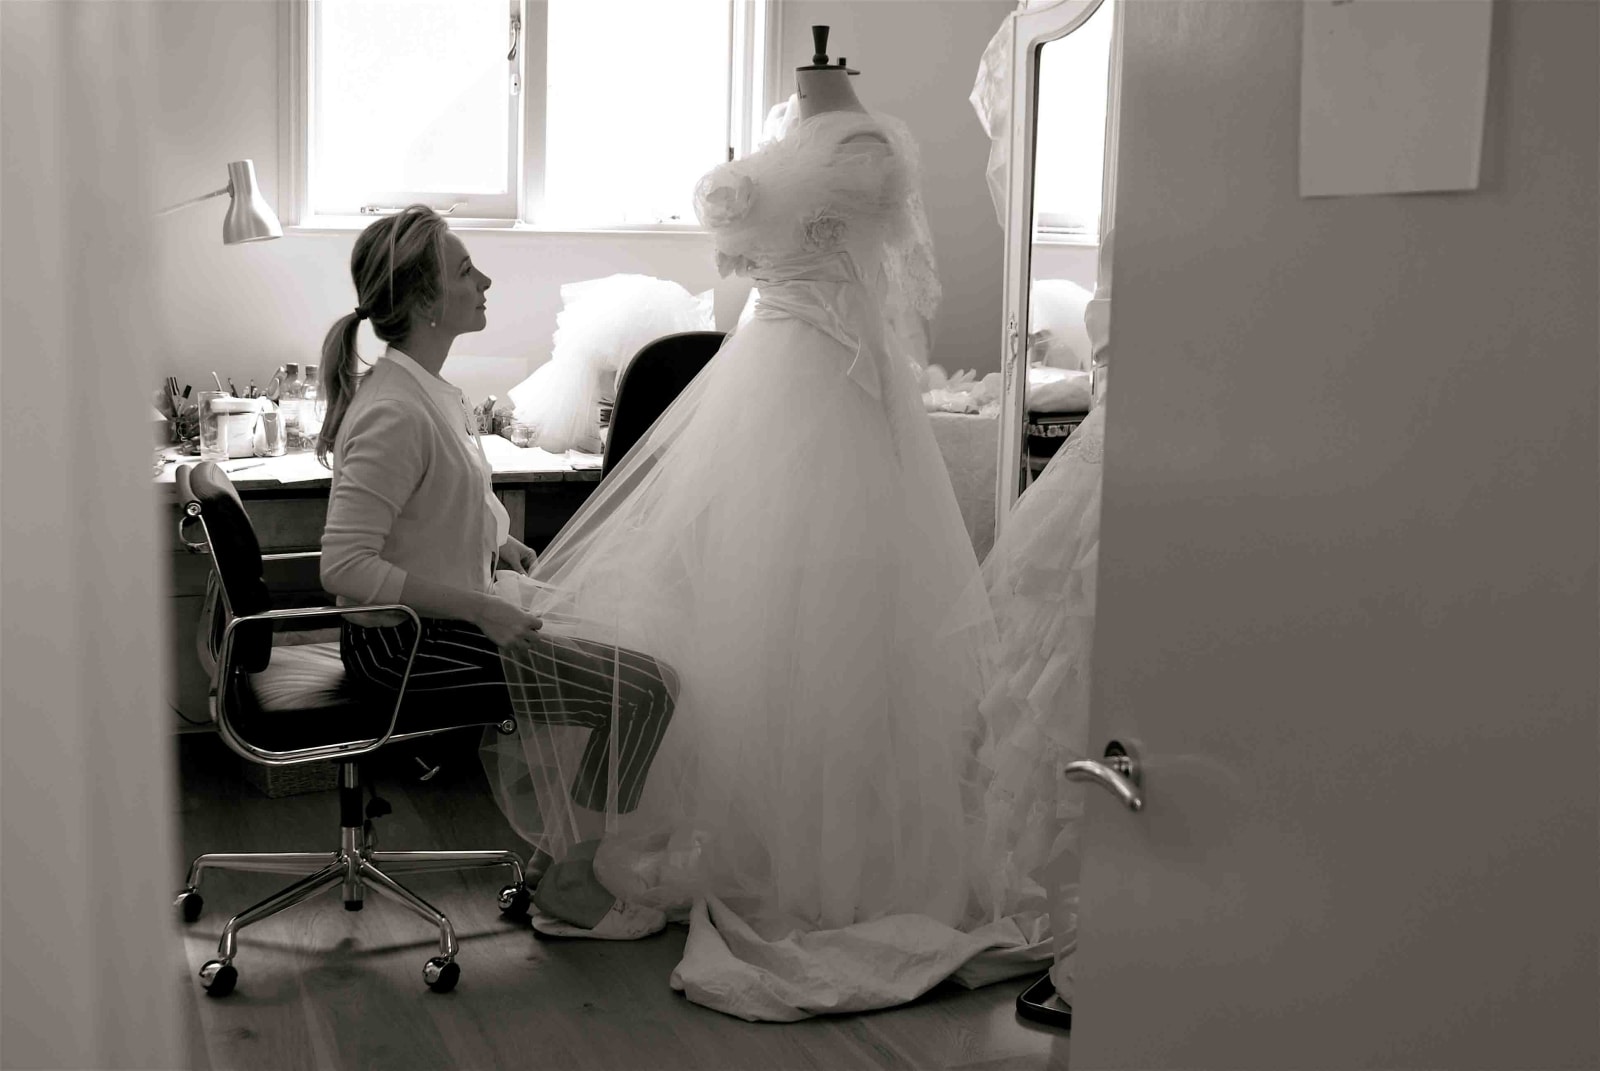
column 389, row 210
column 511, row 57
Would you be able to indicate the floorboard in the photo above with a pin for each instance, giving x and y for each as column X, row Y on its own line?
column 320, row 987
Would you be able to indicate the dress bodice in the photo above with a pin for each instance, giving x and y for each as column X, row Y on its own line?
column 828, row 224
column 811, row 193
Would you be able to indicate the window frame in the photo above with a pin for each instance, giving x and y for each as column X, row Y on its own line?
column 1051, row 228
column 755, row 47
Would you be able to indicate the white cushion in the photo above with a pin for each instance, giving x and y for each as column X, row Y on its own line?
column 1056, row 306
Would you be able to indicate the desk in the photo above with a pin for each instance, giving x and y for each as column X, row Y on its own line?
column 970, row 443
column 287, row 499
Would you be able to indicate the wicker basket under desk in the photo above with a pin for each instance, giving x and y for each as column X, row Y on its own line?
column 297, row 780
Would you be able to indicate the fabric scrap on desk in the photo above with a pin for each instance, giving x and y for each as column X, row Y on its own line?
column 505, row 456
column 296, row 468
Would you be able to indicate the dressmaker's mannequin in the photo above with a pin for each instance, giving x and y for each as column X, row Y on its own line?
column 824, row 88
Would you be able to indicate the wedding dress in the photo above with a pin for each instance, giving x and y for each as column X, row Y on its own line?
column 785, row 539
column 1041, row 580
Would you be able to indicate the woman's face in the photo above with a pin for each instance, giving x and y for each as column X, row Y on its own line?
column 464, row 287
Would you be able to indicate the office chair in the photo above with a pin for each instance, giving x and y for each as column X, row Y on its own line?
column 283, row 706
column 656, row 376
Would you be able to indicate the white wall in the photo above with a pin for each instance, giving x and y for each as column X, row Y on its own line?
column 1057, row 260
column 244, row 310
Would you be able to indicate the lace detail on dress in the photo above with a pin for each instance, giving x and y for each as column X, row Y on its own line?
column 1087, row 444
column 910, row 259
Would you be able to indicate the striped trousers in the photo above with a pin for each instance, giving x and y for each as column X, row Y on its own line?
column 563, row 681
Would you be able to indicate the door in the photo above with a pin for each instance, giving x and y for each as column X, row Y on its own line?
column 1348, row 612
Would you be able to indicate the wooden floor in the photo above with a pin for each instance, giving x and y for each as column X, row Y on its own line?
column 320, row 987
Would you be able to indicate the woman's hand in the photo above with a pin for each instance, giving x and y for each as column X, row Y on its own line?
column 518, row 556
column 507, row 626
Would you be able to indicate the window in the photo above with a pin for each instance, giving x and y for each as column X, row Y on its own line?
column 558, row 113
column 1070, row 150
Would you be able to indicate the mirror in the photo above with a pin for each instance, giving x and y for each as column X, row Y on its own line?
column 1059, row 188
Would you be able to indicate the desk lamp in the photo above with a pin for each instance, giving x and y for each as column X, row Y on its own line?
column 249, row 218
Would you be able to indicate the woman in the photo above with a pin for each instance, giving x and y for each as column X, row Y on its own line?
column 413, row 519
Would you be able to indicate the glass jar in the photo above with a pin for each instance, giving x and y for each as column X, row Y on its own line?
column 227, row 426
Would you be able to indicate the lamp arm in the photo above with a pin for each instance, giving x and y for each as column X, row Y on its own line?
column 195, row 200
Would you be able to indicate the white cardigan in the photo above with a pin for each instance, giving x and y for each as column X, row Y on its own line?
column 408, row 493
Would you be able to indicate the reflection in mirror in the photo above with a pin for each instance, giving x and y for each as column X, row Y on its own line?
column 1069, row 151
column 1059, row 184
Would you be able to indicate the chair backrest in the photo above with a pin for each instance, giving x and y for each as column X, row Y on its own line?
column 206, row 495
column 656, row 375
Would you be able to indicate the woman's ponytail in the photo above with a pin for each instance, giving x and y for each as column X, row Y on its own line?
column 340, row 377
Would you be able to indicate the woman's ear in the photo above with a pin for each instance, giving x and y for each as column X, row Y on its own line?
column 422, row 316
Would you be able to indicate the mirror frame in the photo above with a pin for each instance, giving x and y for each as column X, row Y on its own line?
column 1031, row 30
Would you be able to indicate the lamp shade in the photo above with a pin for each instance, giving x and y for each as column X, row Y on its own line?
column 249, row 218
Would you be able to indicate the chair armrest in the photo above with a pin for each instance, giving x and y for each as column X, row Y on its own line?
column 208, row 640
column 291, row 555
column 346, row 750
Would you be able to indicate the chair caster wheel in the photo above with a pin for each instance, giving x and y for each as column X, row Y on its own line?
column 218, row 978
column 514, row 901
column 190, row 903
column 441, row 974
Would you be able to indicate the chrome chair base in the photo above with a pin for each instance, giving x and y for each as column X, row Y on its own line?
column 355, row 867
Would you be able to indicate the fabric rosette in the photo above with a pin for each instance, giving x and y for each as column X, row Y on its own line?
column 724, row 197
column 824, row 230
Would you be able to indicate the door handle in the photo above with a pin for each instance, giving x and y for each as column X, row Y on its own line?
column 1119, row 773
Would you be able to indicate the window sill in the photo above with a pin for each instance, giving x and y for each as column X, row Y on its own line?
column 1089, row 241
column 475, row 227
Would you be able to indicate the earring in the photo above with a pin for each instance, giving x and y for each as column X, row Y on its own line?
column 433, row 323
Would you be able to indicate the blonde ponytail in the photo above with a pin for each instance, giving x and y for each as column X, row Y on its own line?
column 340, row 376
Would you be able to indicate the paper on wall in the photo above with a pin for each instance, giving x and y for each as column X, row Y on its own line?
column 1392, row 95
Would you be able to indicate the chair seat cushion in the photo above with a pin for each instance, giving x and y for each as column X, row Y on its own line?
column 308, row 676
column 304, row 699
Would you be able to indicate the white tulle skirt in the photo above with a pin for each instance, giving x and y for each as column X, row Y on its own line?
column 1041, row 578
column 789, row 545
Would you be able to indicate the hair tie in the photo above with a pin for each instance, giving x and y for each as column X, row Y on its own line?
column 361, row 314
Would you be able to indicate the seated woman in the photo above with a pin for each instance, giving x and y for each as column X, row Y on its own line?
column 413, row 519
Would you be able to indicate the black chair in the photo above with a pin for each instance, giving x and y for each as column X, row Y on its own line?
column 288, row 705
column 656, row 376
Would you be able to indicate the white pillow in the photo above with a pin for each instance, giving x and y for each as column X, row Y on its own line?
column 1056, row 306
column 602, row 325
